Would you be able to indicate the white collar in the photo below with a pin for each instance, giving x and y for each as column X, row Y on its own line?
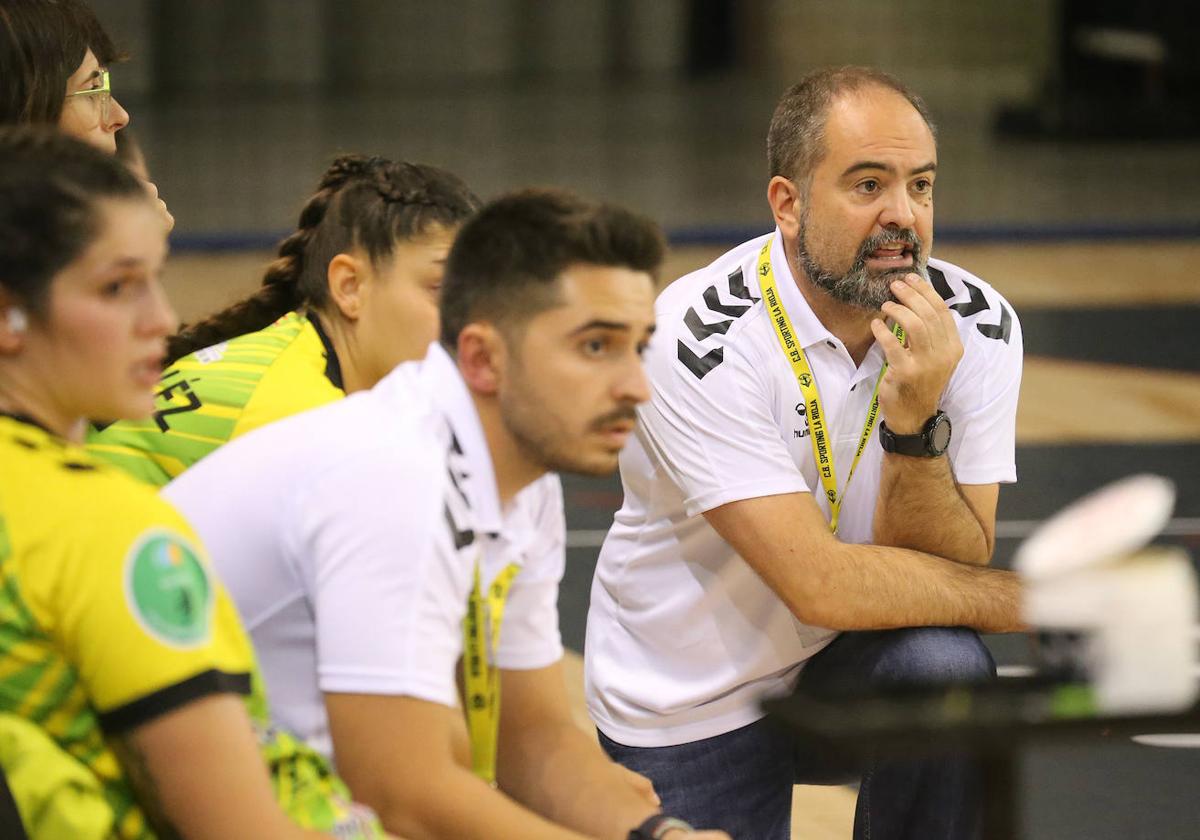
column 449, row 394
column 805, row 324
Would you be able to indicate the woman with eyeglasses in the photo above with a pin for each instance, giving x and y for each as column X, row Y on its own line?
column 115, row 637
column 54, row 70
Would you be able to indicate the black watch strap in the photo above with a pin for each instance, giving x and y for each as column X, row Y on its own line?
column 655, row 827
column 930, row 442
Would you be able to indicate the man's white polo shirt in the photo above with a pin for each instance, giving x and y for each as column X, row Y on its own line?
column 683, row 638
column 347, row 536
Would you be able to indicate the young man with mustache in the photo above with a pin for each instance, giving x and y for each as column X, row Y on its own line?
column 811, row 494
column 364, row 540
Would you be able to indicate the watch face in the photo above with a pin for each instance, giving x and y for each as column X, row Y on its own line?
column 939, row 435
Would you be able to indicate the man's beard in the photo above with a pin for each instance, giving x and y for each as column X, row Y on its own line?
column 859, row 286
column 545, row 440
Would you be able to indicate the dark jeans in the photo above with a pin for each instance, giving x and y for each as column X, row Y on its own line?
column 741, row 781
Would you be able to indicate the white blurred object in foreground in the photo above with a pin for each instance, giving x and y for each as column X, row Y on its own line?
column 1087, row 571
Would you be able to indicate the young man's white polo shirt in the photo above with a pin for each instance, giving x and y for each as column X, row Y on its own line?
column 683, row 638
column 347, row 536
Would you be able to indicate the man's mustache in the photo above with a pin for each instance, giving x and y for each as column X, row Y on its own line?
column 626, row 413
column 876, row 241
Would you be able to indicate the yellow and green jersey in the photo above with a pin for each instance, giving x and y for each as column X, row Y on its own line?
column 216, row 394
column 110, row 618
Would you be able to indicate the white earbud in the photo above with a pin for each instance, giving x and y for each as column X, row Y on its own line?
column 17, row 320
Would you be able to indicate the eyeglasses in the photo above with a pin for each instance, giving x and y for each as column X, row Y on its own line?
column 101, row 97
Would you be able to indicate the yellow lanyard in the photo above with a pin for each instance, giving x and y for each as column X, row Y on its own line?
column 481, row 636
column 818, row 434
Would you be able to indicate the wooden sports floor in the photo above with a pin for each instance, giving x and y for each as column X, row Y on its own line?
column 1111, row 386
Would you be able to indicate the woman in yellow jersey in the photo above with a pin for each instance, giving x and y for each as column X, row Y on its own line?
column 115, row 639
column 352, row 293
column 54, row 60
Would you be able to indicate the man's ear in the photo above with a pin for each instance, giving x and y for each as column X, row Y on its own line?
column 347, row 279
column 482, row 355
column 787, row 206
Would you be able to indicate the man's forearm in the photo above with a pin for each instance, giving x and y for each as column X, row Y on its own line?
column 454, row 803
column 869, row 587
column 844, row 586
column 921, row 507
column 560, row 772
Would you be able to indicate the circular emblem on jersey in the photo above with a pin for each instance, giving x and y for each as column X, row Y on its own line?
column 168, row 589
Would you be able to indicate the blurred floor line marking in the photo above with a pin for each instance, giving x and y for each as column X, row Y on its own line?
column 1179, row 741
column 1007, row 529
column 1017, row 528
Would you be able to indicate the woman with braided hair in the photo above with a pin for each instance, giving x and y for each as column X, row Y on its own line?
column 352, row 294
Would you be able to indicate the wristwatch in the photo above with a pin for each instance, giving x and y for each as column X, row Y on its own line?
column 930, row 442
column 657, row 826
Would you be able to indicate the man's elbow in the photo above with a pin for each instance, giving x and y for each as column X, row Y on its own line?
column 978, row 553
column 821, row 604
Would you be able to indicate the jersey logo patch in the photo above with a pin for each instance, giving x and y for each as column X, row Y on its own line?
column 208, row 355
column 168, row 590
column 975, row 304
column 700, row 329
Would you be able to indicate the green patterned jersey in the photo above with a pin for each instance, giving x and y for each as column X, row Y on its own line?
column 216, row 394
column 110, row 618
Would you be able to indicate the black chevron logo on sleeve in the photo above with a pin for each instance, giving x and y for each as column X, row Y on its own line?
column 977, row 303
column 462, row 537
column 999, row 331
column 938, row 278
column 737, row 287
column 702, row 330
column 711, row 300
column 700, row 365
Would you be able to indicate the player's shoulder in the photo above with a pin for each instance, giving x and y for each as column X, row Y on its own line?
column 269, row 373
column 982, row 313
column 69, row 494
column 703, row 314
column 45, row 464
column 258, row 348
column 117, row 501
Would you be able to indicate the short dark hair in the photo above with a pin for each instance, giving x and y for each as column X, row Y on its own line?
column 49, row 186
column 796, row 139
column 42, row 44
column 505, row 262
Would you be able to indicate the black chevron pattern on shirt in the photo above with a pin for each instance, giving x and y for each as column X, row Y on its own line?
column 976, row 303
column 701, row 366
column 1003, row 330
column 737, row 287
column 702, row 330
column 462, row 536
column 456, row 497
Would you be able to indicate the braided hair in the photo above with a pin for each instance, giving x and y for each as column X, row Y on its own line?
column 366, row 202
